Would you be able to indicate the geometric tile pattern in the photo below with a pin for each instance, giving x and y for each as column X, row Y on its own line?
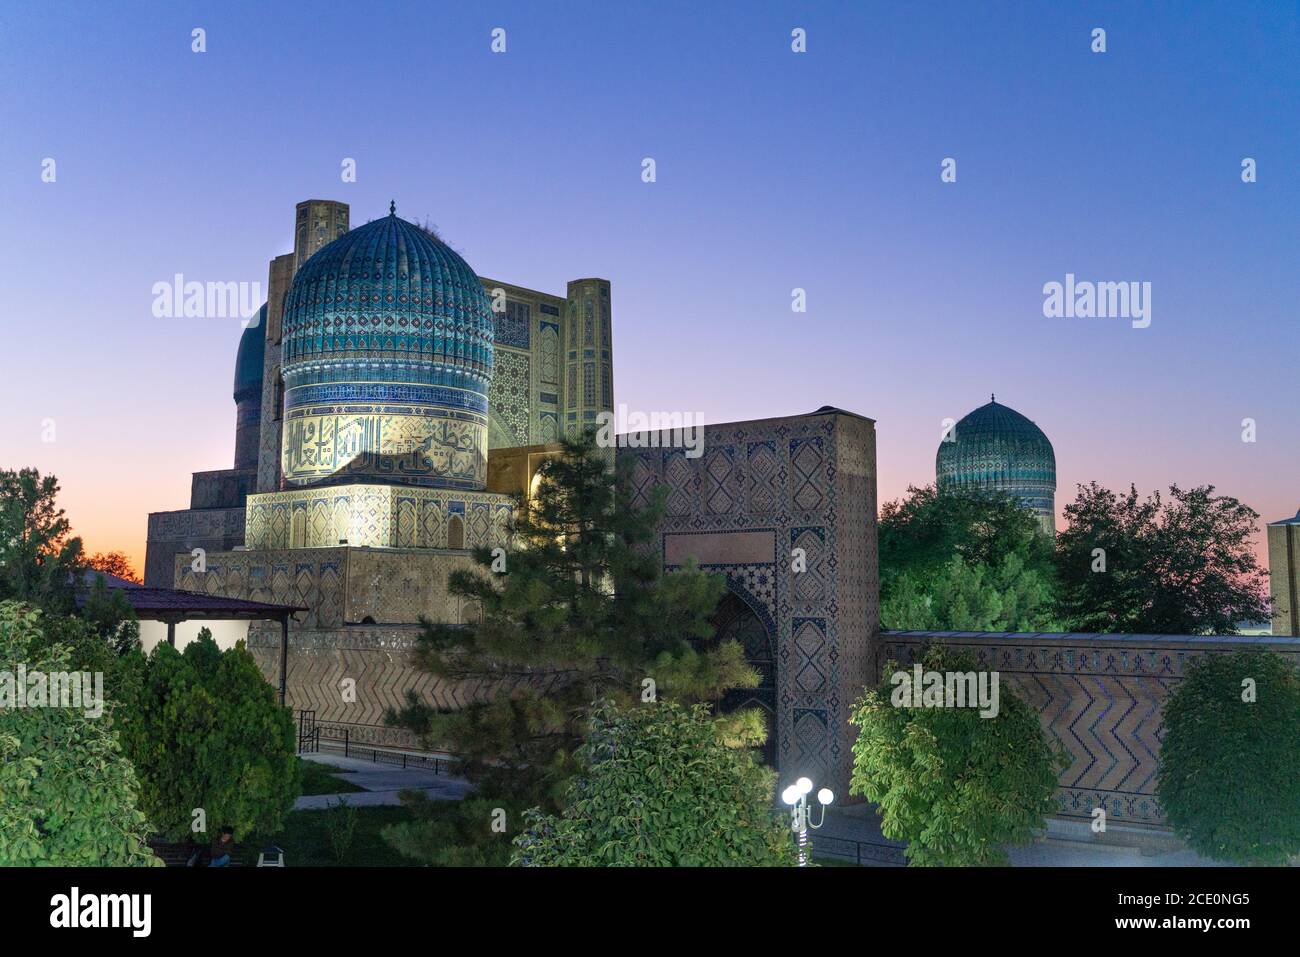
column 508, row 395
column 373, row 657
column 340, row 586
column 171, row 533
column 375, row 515
column 810, row 481
column 1099, row 696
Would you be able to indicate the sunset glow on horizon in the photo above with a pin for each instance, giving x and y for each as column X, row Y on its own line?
column 774, row 173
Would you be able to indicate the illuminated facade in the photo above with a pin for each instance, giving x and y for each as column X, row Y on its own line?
column 390, row 406
column 381, row 358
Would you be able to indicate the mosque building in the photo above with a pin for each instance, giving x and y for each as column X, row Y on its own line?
column 995, row 447
column 391, row 408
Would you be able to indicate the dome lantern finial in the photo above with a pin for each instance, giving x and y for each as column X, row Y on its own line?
column 992, row 397
column 392, row 207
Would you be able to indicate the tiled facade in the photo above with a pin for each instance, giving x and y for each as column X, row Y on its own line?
column 554, row 370
column 380, row 516
column 1100, row 698
column 784, row 509
column 340, row 586
column 528, row 399
column 760, row 491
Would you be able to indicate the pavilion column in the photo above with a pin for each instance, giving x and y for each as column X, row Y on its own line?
column 171, row 633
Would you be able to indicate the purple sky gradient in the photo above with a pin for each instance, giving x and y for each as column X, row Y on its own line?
column 775, row 171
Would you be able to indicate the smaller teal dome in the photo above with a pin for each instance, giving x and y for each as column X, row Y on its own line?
column 248, row 361
column 995, row 447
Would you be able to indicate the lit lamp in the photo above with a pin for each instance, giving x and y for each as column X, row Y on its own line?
column 796, row 795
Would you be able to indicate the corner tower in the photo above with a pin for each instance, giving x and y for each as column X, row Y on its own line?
column 589, row 370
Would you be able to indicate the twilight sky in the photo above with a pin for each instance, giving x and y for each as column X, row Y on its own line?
column 775, row 170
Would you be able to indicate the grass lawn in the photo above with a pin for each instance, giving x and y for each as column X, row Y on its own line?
column 320, row 779
column 306, row 839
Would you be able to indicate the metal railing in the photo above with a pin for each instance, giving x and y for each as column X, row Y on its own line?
column 313, row 735
column 862, row 853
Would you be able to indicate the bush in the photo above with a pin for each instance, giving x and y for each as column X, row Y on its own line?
column 1229, row 778
column 210, row 734
column 68, row 796
column 341, row 827
column 660, row 787
column 957, row 787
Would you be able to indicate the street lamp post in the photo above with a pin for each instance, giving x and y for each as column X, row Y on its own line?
column 796, row 795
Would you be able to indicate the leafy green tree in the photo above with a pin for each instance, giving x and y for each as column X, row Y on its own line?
column 961, row 597
column 210, row 734
column 109, row 612
column 101, row 641
column 581, row 612
column 68, row 796
column 956, row 786
column 1185, row 565
column 39, row 559
column 1229, row 778
column 659, row 787
column 964, row 554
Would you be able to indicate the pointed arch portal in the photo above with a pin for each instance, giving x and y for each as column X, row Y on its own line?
column 736, row 621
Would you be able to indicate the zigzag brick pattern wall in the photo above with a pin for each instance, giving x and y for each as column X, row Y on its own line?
column 1099, row 696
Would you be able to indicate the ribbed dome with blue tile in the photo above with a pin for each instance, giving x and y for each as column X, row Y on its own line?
column 995, row 447
column 387, row 358
column 249, row 363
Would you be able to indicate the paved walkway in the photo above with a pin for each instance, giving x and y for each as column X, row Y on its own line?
column 1066, row 845
column 382, row 783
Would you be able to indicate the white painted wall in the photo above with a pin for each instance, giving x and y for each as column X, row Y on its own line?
column 224, row 633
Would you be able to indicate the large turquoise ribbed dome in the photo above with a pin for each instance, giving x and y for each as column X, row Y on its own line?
column 387, row 357
column 996, row 447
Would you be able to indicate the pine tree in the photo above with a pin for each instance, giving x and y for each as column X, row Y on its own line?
column 578, row 611
column 39, row 559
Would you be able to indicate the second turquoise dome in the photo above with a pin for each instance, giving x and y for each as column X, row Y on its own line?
column 995, row 447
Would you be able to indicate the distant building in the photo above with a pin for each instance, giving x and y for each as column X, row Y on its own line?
column 995, row 447
column 1284, row 574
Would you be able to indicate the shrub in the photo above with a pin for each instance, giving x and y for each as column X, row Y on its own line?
column 660, row 787
column 957, row 787
column 210, row 735
column 1229, row 779
column 68, row 796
